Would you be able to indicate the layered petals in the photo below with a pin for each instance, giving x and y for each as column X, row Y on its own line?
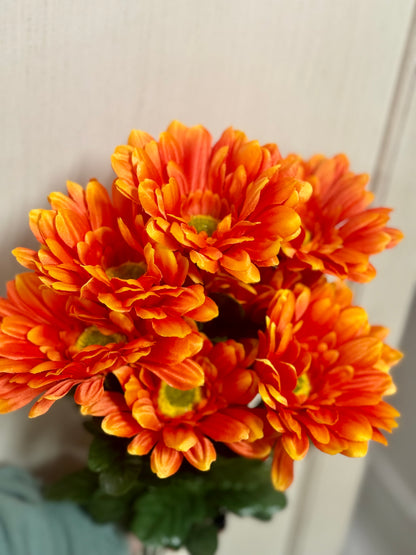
column 225, row 207
column 190, row 311
column 339, row 231
column 89, row 251
column 46, row 350
column 175, row 423
column 323, row 371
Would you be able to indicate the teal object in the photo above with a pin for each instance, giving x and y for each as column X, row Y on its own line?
column 29, row 525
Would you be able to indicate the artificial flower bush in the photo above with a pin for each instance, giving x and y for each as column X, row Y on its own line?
column 192, row 317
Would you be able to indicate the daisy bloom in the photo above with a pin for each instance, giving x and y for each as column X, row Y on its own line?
column 87, row 250
column 226, row 207
column 45, row 350
column 339, row 231
column 323, row 373
column 172, row 424
column 189, row 310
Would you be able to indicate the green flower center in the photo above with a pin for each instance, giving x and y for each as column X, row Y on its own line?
column 175, row 402
column 128, row 270
column 303, row 386
column 204, row 223
column 93, row 336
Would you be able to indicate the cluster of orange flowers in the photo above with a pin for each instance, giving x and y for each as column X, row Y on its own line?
column 199, row 289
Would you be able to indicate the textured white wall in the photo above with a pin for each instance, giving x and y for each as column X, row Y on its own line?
column 77, row 76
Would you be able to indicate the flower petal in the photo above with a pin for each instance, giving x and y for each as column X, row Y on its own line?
column 165, row 461
column 202, row 454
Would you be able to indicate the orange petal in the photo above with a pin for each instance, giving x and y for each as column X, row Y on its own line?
column 350, row 323
column 171, row 327
column 222, row 427
column 180, row 438
column 147, row 196
column 353, row 426
column 100, row 209
column 165, row 461
column 89, row 391
column 120, row 425
column 282, row 468
column 22, row 395
column 253, row 422
column 142, row 442
column 71, row 227
column 170, row 149
column 139, row 139
column 204, row 262
column 378, row 436
column 121, row 163
column 202, row 454
column 25, row 257
column 145, row 414
column 356, row 449
column 41, row 407
column 204, row 313
column 259, row 449
column 108, row 403
column 319, row 432
column 252, row 197
column 295, row 447
column 364, row 351
column 18, row 349
column 196, row 142
column 185, row 375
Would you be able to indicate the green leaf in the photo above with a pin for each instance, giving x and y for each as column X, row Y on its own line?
column 261, row 503
column 102, row 454
column 118, row 471
column 120, row 478
column 203, row 539
column 165, row 514
column 108, row 508
column 243, row 486
column 238, row 472
column 77, row 487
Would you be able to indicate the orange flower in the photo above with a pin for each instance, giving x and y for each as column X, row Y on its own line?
column 45, row 350
column 197, row 289
column 86, row 249
column 339, row 232
column 172, row 423
column 323, row 371
column 227, row 208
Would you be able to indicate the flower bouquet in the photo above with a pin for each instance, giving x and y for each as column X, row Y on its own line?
column 201, row 320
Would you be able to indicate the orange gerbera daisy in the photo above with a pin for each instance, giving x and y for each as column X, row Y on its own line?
column 46, row 351
column 323, row 372
column 174, row 424
column 86, row 249
column 339, row 232
column 226, row 207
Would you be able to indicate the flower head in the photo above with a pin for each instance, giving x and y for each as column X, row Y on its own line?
column 323, row 373
column 226, row 207
column 173, row 424
column 47, row 348
column 87, row 250
column 339, row 231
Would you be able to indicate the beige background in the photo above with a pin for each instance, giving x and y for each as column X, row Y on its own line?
column 313, row 76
